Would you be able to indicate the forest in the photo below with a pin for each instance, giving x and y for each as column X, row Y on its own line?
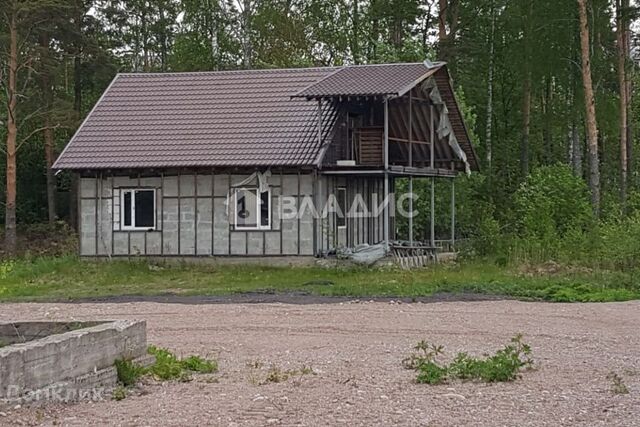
column 547, row 88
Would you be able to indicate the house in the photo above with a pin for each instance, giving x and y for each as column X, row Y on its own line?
column 262, row 163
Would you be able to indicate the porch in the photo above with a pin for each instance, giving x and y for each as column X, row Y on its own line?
column 382, row 140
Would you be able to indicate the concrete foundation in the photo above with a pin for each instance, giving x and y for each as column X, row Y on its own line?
column 66, row 366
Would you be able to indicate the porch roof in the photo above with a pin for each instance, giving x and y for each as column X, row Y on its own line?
column 370, row 80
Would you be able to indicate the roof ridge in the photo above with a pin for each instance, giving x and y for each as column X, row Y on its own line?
column 239, row 71
column 318, row 81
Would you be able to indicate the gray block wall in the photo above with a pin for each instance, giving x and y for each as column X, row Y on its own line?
column 192, row 217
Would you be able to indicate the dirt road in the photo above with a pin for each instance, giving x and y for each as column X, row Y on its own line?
column 355, row 351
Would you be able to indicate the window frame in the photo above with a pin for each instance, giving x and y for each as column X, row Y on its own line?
column 342, row 219
column 133, row 227
column 259, row 226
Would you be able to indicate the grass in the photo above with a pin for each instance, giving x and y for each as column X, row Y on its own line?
column 68, row 278
column 167, row 366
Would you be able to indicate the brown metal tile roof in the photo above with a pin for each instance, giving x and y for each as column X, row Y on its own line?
column 231, row 118
column 369, row 80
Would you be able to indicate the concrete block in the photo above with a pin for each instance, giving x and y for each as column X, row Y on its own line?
column 187, row 226
column 124, row 181
column 137, row 243
column 170, row 186
column 154, row 243
column 221, row 185
column 272, row 243
column 107, row 184
column 204, row 222
column 289, row 185
column 105, row 227
column 255, row 243
column 121, row 243
column 306, row 184
column 238, row 243
column 170, row 227
column 87, row 187
column 220, row 228
column 187, row 185
column 204, row 183
column 150, row 182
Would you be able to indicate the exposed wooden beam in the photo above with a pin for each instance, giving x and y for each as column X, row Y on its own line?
column 407, row 141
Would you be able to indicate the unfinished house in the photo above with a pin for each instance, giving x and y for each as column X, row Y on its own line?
column 262, row 163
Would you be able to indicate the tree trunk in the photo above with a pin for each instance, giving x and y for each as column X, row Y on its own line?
column 489, row 153
column 355, row 36
column 77, row 106
column 547, row 136
column 590, row 106
column 247, row 48
column 442, row 29
column 629, row 89
column 526, row 126
column 576, row 150
column 10, row 237
column 442, row 20
column 622, row 83
column 47, row 97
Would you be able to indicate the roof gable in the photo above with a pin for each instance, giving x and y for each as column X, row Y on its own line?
column 234, row 118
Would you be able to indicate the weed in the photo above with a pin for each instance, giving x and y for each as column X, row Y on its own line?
column 198, row 364
column 254, row 364
column 425, row 352
column 618, row 386
column 277, row 375
column 166, row 367
column 169, row 367
column 119, row 393
column 503, row 366
column 128, row 372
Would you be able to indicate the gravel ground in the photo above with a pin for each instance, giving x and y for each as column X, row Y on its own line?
column 355, row 350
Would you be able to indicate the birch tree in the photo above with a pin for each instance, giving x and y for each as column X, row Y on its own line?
column 590, row 108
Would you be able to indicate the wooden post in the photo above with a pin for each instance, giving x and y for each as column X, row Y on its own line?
column 386, row 212
column 410, row 129
column 411, row 210
column 433, row 183
column 432, row 213
column 432, row 136
column 453, row 213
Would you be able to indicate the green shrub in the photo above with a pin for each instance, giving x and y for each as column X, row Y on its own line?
column 551, row 201
column 503, row 366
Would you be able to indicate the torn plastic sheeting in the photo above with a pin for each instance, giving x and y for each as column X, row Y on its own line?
column 444, row 128
column 263, row 185
column 364, row 254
